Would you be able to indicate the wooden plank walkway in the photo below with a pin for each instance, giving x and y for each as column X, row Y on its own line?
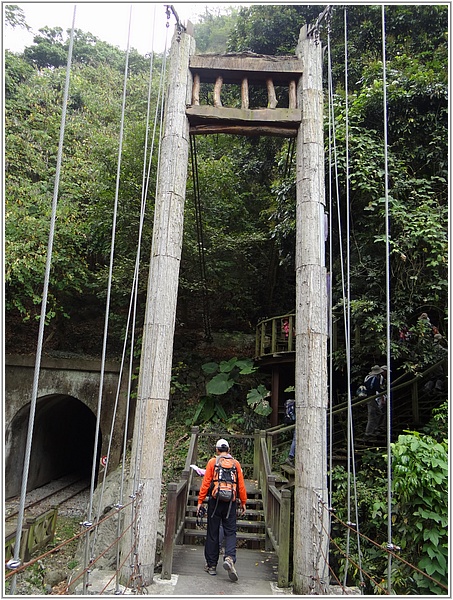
column 257, row 571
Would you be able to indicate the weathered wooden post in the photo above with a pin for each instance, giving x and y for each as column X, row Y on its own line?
column 157, row 346
column 311, row 326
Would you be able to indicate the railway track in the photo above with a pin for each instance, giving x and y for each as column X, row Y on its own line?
column 59, row 493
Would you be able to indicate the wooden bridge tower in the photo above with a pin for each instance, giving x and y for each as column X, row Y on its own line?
column 302, row 118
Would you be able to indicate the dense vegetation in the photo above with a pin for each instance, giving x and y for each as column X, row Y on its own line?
column 247, row 191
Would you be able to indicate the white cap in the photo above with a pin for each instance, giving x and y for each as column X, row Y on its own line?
column 222, row 444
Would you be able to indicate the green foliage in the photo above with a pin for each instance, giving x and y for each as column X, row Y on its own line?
column 15, row 17
column 259, row 28
column 257, row 399
column 419, row 515
column 247, row 185
column 213, row 29
column 209, row 409
column 420, row 486
column 87, row 186
column 437, row 427
column 224, row 376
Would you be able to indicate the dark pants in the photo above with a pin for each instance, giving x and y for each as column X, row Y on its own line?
column 376, row 416
column 217, row 515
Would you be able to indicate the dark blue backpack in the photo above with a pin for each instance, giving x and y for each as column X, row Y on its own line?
column 290, row 412
column 373, row 384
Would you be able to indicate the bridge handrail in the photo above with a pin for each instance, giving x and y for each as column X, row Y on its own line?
column 177, row 497
column 277, row 512
column 411, row 382
column 269, row 337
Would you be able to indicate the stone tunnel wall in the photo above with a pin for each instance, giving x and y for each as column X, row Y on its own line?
column 63, row 385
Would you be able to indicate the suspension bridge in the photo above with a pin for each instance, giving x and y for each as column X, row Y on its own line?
column 285, row 507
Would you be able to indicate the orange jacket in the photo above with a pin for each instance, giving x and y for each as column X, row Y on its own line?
column 208, row 477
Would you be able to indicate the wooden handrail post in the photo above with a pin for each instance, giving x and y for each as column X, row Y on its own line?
column 263, row 338
column 170, row 528
column 291, row 333
column 245, row 93
column 269, row 445
column 274, row 336
column 272, row 98
column 217, row 88
column 292, row 100
column 256, row 453
column 196, row 90
column 284, row 539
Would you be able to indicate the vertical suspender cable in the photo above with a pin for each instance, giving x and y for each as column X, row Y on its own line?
column 109, row 284
column 20, row 518
column 347, row 297
column 200, row 239
column 387, row 275
column 330, row 105
column 138, row 453
column 145, row 184
column 107, row 309
column 350, row 434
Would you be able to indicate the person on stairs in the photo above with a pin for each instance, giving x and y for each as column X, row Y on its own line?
column 375, row 382
column 223, row 484
column 290, row 419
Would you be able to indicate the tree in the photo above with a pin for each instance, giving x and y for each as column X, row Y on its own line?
column 87, row 186
column 213, row 29
column 15, row 17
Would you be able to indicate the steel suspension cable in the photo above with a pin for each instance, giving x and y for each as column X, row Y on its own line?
column 139, row 424
column 107, row 309
column 330, row 109
column 350, row 429
column 132, row 314
column 200, row 240
column 346, row 298
column 387, row 278
column 162, row 101
column 134, row 292
column 145, row 188
column 20, row 519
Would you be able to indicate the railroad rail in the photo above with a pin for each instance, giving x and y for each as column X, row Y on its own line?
column 40, row 514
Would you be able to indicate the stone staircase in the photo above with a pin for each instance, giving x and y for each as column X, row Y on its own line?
column 250, row 528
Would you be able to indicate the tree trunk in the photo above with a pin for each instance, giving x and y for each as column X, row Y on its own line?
column 311, row 330
column 157, row 346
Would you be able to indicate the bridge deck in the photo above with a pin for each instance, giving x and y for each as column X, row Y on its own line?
column 257, row 569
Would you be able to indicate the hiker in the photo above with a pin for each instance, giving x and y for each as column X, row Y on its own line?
column 375, row 382
column 290, row 419
column 224, row 483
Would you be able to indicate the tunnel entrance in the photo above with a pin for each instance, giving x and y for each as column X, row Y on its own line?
column 63, row 442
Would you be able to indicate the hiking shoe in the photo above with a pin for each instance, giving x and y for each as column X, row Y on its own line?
column 210, row 570
column 228, row 564
column 289, row 461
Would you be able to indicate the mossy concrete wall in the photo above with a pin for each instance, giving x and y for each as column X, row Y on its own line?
column 65, row 417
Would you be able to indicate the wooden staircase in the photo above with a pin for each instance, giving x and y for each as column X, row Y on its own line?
column 251, row 532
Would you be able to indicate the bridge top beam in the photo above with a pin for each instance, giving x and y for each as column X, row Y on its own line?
column 257, row 68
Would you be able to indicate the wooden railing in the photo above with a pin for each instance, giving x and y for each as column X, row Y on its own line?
column 36, row 534
column 410, row 404
column 277, row 503
column 276, row 334
column 277, row 512
column 177, row 497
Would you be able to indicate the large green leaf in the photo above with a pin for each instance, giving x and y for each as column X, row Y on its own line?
column 220, row 384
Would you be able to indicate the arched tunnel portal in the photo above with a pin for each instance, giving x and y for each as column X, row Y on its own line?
column 63, row 443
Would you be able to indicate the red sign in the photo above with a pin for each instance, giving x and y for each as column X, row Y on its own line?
column 103, row 461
